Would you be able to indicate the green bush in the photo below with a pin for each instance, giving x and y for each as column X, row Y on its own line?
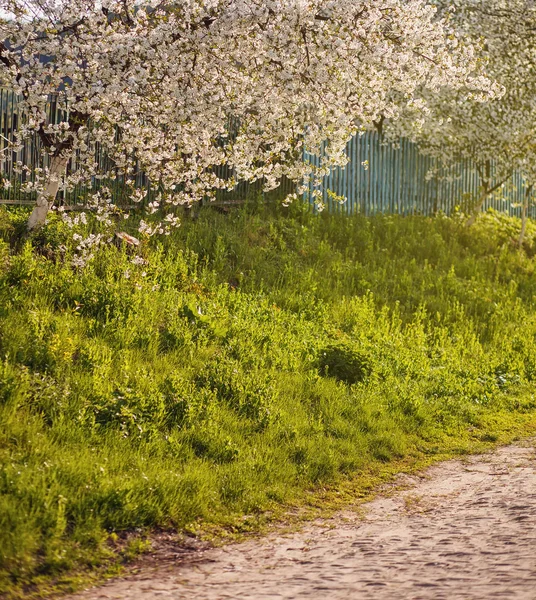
column 344, row 363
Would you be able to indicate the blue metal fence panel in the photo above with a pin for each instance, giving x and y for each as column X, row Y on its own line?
column 399, row 179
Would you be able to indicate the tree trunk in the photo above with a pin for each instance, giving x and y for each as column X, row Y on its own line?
column 524, row 216
column 45, row 199
column 478, row 208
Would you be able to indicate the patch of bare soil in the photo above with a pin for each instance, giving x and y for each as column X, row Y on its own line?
column 462, row 530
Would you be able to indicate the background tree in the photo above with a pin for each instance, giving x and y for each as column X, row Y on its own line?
column 155, row 84
column 497, row 136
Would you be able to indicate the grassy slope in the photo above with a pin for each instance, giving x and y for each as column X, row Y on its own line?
column 255, row 356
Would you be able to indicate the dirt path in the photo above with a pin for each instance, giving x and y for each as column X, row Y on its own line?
column 465, row 529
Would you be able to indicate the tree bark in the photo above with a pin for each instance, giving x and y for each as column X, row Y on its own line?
column 524, row 215
column 478, row 208
column 45, row 199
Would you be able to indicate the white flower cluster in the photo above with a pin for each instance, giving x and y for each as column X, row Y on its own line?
column 175, row 87
column 86, row 247
column 73, row 221
column 163, row 227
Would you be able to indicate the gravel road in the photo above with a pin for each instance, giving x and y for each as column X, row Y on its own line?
column 461, row 530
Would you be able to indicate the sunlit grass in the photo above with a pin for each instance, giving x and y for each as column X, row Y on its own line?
column 255, row 355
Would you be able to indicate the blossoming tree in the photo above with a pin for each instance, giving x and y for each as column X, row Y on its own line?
column 155, row 83
column 498, row 136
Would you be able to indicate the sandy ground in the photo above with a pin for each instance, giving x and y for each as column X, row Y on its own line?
column 463, row 529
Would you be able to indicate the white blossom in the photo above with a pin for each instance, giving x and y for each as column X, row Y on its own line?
column 176, row 87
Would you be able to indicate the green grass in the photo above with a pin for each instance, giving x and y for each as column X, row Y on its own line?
column 254, row 357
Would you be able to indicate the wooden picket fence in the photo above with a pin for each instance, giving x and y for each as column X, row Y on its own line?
column 379, row 178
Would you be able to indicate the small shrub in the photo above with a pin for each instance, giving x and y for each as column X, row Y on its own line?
column 344, row 364
column 249, row 393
